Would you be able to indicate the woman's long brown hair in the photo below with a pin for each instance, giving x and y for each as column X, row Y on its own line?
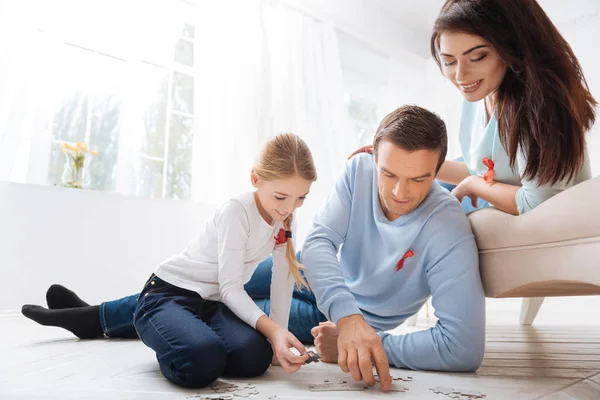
column 543, row 105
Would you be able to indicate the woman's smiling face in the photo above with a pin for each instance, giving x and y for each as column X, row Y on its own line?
column 471, row 64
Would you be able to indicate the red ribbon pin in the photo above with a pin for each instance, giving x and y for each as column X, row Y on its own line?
column 280, row 238
column 489, row 175
column 400, row 264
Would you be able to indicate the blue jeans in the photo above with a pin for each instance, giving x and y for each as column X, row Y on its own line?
column 197, row 340
column 116, row 317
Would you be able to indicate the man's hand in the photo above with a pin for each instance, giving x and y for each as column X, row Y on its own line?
column 358, row 344
column 326, row 341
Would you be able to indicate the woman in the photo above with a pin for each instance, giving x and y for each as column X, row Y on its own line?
column 527, row 105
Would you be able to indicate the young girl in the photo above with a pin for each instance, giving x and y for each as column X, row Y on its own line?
column 219, row 262
column 194, row 312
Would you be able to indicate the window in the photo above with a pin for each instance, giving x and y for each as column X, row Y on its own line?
column 125, row 89
column 366, row 86
column 364, row 117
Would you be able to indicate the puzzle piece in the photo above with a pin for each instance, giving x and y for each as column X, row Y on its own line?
column 337, row 387
column 228, row 390
column 312, row 357
column 396, row 378
column 220, row 386
column 396, row 387
column 452, row 393
column 246, row 394
column 445, row 391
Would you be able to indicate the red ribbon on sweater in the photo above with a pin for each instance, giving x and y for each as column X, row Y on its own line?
column 489, row 175
column 400, row 264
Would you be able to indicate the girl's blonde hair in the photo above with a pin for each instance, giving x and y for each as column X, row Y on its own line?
column 285, row 156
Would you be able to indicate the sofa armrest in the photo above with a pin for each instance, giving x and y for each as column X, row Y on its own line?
column 571, row 214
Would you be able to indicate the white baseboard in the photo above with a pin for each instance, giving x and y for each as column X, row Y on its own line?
column 9, row 313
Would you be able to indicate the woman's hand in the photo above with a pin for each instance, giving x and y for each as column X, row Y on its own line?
column 464, row 189
column 282, row 340
column 364, row 149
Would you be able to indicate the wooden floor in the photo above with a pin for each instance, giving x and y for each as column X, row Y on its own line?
column 547, row 362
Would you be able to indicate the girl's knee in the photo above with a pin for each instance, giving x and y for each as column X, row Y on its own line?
column 195, row 366
column 251, row 357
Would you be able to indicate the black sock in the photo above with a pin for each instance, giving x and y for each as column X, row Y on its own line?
column 83, row 322
column 59, row 297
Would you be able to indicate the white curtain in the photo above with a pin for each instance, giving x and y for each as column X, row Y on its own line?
column 24, row 105
column 265, row 69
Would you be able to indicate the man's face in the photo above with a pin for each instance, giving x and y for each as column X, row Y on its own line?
column 403, row 178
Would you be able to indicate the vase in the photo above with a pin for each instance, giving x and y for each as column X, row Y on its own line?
column 76, row 173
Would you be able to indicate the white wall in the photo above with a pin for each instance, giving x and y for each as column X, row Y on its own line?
column 367, row 21
column 385, row 58
column 102, row 245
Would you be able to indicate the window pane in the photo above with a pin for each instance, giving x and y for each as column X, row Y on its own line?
column 70, row 118
column 188, row 31
column 104, row 134
column 183, row 93
column 363, row 114
column 148, row 178
column 95, row 83
column 184, row 53
column 179, row 168
column 105, row 121
column 153, row 94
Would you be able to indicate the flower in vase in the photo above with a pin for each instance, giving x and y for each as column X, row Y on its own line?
column 75, row 167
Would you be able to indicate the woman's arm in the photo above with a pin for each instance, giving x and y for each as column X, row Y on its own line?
column 453, row 172
column 500, row 195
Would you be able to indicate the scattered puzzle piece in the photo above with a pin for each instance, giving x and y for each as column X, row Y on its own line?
column 220, row 386
column 461, row 394
column 337, row 386
column 396, row 387
column 210, row 397
column 227, row 390
column 396, row 377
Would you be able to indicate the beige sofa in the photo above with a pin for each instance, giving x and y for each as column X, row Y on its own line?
column 553, row 250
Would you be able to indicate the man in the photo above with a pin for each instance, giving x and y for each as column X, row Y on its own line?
column 386, row 239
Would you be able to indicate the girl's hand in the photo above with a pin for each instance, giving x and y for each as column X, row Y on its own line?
column 464, row 189
column 282, row 341
column 275, row 361
column 365, row 149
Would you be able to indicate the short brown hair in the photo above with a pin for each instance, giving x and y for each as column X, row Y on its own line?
column 414, row 128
